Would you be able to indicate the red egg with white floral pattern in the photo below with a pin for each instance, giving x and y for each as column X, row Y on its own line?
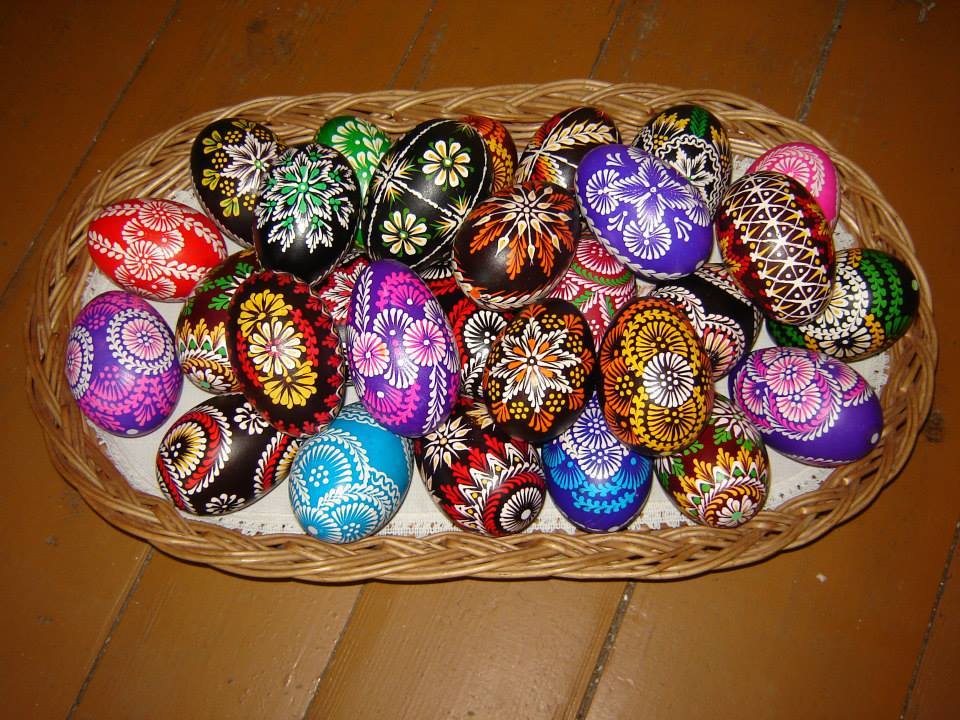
column 484, row 480
column 155, row 248
column 285, row 353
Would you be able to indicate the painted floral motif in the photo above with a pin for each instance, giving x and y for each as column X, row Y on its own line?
column 140, row 340
column 286, row 353
column 447, row 163
column 404, row 233
column 503, row 152
column 335, row 290
column 481, row 478
column 358, row 140
column 403, row 359
column 79, row 360
column 539, row 373
column 778, row 246
column 657, row 388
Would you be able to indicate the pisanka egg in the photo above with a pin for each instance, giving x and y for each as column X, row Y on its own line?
column 561, row 142
column 540, row 371
column 811, row 167
column 722, row 479
column 201, row 331
column 875, row 299
column 693, row 141
column 596, row 283
column 656, row 387
column 349, row 481
column 808, row 406
column 285, row 353
column 423, row 190
column 644, row 212
column 121, row 364
column 474, row 327
column 401, row 351
column 229, row 162
column 503, row 151
column 222, row 456
column 725, row 320
column 156, row 248
column 482, row 479
column 307, row 212
column 778, row 246
column 515, row 246
column 597, row 482
column 360, row 141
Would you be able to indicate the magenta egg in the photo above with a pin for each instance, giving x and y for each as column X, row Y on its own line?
column 121, row 365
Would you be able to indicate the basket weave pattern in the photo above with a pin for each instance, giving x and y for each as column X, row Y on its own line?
column 161, row 165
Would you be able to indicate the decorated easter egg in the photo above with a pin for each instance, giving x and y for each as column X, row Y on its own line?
column 401, row 351
column 656, row 386
column 121, row 364
column 423, row 190
column 481, row 478
column 201, row 332
column 777, row 245
column 336, row 288
column 559, row 145
column 285, row 353
column 690, row 139
column 874, row 300
column 474, row 327
column 597, row 482
column 222, row 456
column 361, row 142
column 155, row 248
column 811, row 167
column 725, row 320
column 515, row 246
column 596, row 283
column 349, row 481
column 229, row 162
column 722, row 479
column 808, row 406
column 645, row 212
column 503, row 151
column 307, row 212
column 539, row 374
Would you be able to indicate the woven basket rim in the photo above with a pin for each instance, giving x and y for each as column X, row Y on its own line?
column 158, row 164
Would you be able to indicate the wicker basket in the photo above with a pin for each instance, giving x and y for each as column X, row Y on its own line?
column 161, row 165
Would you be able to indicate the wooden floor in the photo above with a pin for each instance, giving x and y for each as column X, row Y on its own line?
column 864, row 623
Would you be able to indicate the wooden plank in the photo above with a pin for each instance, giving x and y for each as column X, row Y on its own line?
column 468, row 649
column 833, row 629
column 197, row 643
column 934, row 690
column 53, row 113
column 744, row 50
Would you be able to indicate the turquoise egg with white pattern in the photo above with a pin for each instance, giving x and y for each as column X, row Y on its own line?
column 597, row 483
column 349, row 481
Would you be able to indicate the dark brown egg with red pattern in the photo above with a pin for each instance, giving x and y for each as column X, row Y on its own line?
column 503, row 151
column 285, row 353
column 560, row 143
column 222, row 456
column 482, row 479
column 516, row 245
column 474, row 328
column 540, row 372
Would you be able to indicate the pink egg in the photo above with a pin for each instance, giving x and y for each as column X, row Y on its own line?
column 811, row 167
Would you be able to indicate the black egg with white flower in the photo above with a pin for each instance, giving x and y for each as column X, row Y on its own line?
column 221, row 456
column 307, row 213
column 423, row 190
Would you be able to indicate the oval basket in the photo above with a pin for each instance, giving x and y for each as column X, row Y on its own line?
column 161, row 165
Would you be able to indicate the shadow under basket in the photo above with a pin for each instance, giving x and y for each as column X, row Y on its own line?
column 161, row 165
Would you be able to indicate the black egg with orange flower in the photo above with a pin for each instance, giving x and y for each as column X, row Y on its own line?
column 515, row 246
column 540, row 372
column 285, row 353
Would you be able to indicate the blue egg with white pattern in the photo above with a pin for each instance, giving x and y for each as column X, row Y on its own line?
column 597, row 482
column 349, row 481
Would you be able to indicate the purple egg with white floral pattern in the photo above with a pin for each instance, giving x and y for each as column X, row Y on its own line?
column 597, row 482
column 807, row 405
column 121, row 365
column 644, row 212
column 401, row 350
